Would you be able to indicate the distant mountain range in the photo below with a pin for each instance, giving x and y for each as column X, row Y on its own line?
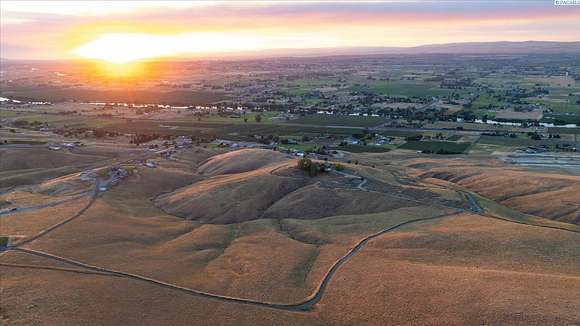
column 504, row 47
column 528, row 47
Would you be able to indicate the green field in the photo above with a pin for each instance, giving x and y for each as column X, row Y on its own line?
column 406, row 88
column 60, row 120
column 565, row 118
column 484, row 101
column 507, row 141
column 298, row 147
column 561, row 105
column 24, row 142
column 338, row 120
column 362, row 149
column 251, row 116
column 435, row 146
column 303, row 87
column 560, row 130
column 174, row 97
column 454, row 137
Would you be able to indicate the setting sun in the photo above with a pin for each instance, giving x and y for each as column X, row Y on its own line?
column 124, row 48
column 127, row 47
column 121, row 70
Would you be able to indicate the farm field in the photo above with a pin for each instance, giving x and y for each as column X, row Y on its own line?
column 406, row 88
column 365, row 149
column 335, row 120
column 436, row 146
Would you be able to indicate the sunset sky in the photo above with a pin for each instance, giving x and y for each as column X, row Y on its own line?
column 120, row 31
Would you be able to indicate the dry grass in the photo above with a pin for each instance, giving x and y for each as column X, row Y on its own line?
column 462, row 269
column 240, row 161
column 230, row 198
column 447, row 273
column 24, row 224
column 41, row 298
column 23, row 159
column 315, row 202
column 547, row 195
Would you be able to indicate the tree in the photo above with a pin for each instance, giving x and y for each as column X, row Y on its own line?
column 313, row 171
column 306, row 164
column 258, row 118
column 536, row 136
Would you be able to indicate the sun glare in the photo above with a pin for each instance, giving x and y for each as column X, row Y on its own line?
column 121, row 69
column 127, row 47
column 124, row 48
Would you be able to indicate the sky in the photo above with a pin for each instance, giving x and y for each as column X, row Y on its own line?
column 122, row 31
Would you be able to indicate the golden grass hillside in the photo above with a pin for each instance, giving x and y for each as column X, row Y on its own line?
column 240, row 161
column 23, row 159
column 251, row 184
column 548, row 195
column 230, row 198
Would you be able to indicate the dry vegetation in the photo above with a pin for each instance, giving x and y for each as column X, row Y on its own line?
column 554, row 196
column 249, row 224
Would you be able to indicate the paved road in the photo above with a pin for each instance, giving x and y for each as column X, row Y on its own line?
column 93, row 196
column 474, row 205
column 304, row 305
column 14, row 210
column 307, row 304
column 23, row 146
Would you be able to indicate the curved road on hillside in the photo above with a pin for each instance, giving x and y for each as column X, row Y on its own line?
column 93, row 196
column 14, row 210
column 304, row 305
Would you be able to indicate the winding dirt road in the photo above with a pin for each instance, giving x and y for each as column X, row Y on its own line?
column 305, row 305
column 93, row 196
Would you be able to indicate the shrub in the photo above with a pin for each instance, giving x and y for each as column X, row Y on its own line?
column 306, row 164
column 446, row 152
column 414, row 138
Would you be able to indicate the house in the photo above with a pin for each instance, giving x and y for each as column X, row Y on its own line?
column 352, row 141
column 150, row 164
column 183, row 141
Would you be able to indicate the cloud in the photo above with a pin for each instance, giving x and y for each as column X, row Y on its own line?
column 58, row 28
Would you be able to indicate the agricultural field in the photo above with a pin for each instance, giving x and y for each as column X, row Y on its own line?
column 339, row 120
column 520, row 141
column 436, row 146
column 405, row 88
column 365, row 149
